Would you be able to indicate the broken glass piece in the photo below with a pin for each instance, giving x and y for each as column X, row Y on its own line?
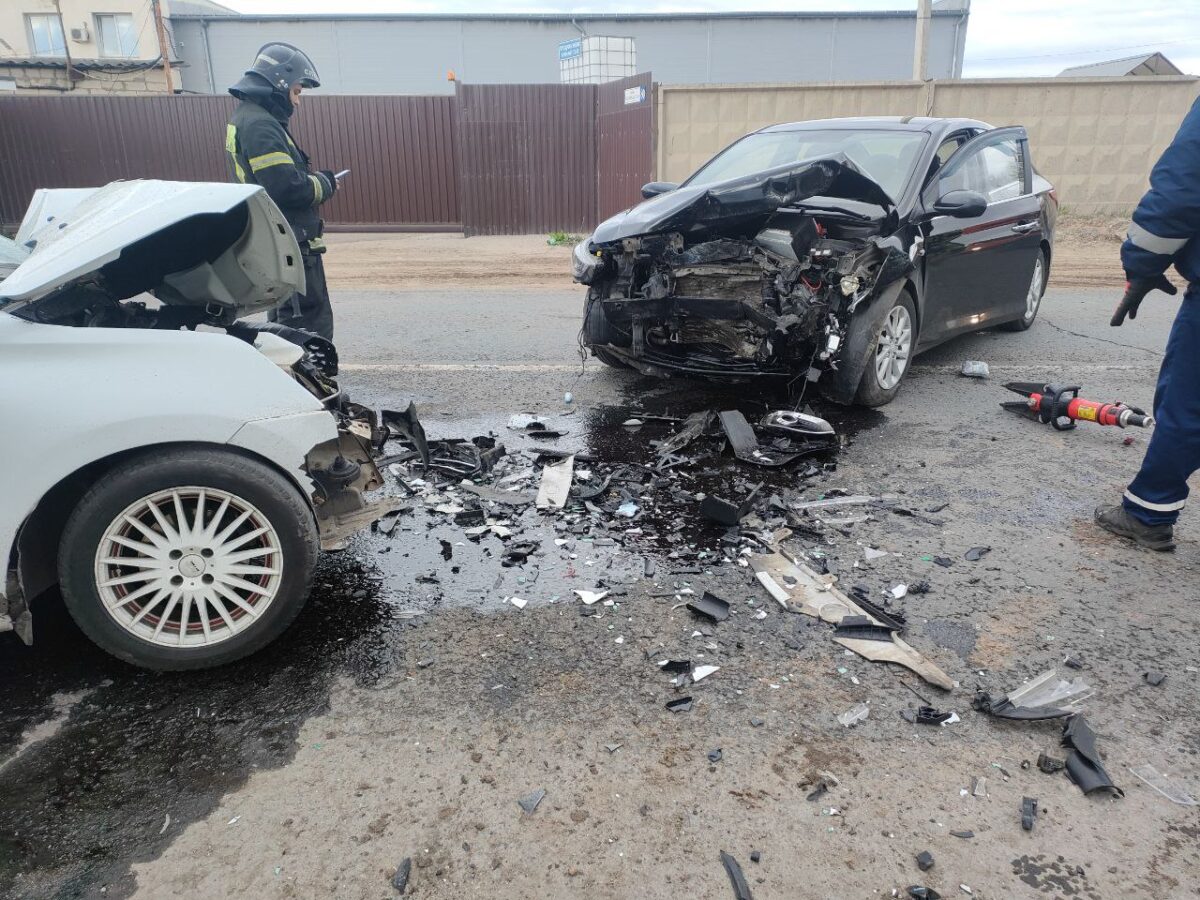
column 1172, row 790
column 870, row 553
column 628, row 509
column 854, row 715
column 1049, row 690
column 1083, row 762
column 530, row 801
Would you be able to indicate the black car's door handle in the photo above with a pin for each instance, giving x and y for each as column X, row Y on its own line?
column 1025, row 227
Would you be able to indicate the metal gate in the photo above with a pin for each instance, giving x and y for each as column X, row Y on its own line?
column 624, row 142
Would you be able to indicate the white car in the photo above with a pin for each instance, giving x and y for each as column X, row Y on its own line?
column 174, row 470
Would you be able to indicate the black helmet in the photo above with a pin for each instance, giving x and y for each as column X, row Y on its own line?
column 284, row 65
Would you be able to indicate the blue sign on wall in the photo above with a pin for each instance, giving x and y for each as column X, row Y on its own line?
column 570, row 49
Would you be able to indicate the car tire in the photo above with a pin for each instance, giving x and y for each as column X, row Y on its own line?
column 1033, row 297
column 893, row 341
column 266, row 560
column 610, row 359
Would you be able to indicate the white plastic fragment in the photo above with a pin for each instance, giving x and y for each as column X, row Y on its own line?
column 701, row 672
column 1050, row 690
column 773, row 588
column 973, row 368
column 899, row 591
column 517, row 602
column 628, row 509
column 590, row 597
column 870, row 553
column 555, row 486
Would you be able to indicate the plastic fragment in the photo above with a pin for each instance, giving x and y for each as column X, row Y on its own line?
column 531, row 800
column 870, row 553
column 714, row 755
column 1029, row 808
column 924, row 860
column 755, row 856
column 1172, row 790
column 1154, row 679
column 966, row 835
column 702, row 672
column 403, row 871
column 590, row 597
column 1049, row 690
column 711, row 607
column 680, row 704
column 741, row 890
column 854, row 715
column 976, row 553
column 1049, row 764
column 517, row 602
column 979, row 787
column 919, row 892
column 555, row 486
column 1084, row 767
column 973, row 368
column 628, row 509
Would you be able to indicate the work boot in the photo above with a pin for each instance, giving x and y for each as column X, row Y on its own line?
column 1118, row 520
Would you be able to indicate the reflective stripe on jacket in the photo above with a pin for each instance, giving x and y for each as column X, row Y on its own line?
column 1166, row 223
column 262, row 152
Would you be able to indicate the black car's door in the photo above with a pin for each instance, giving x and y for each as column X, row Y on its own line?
column 977, row 270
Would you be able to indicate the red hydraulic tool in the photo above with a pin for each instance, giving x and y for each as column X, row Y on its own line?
column 1061, row 406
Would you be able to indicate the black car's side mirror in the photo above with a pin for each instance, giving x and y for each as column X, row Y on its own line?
column 961, row 204
column 654, row 188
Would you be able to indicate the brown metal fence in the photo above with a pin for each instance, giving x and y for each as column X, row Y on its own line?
column 624, row 142
column 527, row 157
column 400, row 150
column 493, row 159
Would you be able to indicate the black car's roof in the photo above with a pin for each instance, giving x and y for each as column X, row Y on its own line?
column 881, row 123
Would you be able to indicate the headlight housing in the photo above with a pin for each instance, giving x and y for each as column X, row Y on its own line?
column 584, row 263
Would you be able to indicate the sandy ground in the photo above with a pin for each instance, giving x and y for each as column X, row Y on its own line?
column 1086, row 254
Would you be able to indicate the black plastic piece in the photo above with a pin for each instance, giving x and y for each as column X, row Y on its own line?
column 893, row 619
column 745, row 443
column 927, row 715
column 861, row 628
column 676, row 666
column 741, row 890
column 714, row 755
column 1029, row 808
column 1083, row 762
column 711, row 607
column 924, row 860
column 976, row 553
column 406, row 424
column 755, row 856
column 725, row 512
column 1049, row 764
column 1154, row 679
column 919, row 892
column 403, row 871
column 680, row 704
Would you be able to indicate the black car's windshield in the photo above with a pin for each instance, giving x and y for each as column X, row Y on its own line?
column 887, row 157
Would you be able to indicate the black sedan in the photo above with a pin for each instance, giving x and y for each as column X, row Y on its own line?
column 831, row 250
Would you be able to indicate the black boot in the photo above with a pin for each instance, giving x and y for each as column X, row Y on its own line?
column 1118, row 520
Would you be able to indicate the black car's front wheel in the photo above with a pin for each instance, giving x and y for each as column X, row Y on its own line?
column 890, row 355
column 1033, row 297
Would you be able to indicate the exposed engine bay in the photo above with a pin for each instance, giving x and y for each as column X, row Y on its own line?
column 759, row 277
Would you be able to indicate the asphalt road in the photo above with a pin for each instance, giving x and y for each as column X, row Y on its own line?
column 365, row 736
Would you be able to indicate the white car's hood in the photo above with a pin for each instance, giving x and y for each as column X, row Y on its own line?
column 223, row 246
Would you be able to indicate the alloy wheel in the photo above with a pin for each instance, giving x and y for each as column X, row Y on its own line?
column 894, row 348
column 1034, row 298
column 188, row 566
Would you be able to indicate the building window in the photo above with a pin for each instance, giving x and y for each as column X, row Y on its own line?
column 46, row 35
column 115, row 35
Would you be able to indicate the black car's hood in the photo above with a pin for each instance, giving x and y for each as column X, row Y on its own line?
column 743, row 205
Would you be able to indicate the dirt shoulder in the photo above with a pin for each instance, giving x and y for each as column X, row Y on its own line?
column 1086, row 254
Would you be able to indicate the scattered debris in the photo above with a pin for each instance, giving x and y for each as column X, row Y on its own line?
column 870, row 553
column 966, row 835
column 976, row 553
column 530, row 801
column 745, row 444
column 1073, row 662
column 854, row 715
column 1154, row 678
column 725, row 512
column 851, row 500
column 1084, row 767
column 681, row 704
column 927, row 715
column 801, row 426
column 517, row 602
column 924, row 860
column 166, row 824
column 1029, row 809
column 400, row 878
column 1044, row 697
column 628, row 509
column 755, row 856
column 741, row 890
column 676, row 666
column 702, row 672
column 979, row 786
column 1172, row 790
column 613, row 748
column 714, row 755
column 1049, row 764
column 974, row 369
column 919, row 892
column 711, row 607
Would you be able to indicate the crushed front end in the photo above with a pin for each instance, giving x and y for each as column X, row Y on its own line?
column 745, row 281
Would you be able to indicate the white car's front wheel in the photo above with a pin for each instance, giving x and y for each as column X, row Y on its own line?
column 185, row 558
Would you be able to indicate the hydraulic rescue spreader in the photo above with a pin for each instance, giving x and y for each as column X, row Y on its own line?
column 1062, row 406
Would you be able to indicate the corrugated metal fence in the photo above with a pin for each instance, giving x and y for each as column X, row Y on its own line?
column 494, row 159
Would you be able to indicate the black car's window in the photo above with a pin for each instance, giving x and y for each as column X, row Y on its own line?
column 888, row 157
column 997, row 171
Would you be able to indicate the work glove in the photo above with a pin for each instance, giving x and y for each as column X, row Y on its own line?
column 1135, row 292
column 331, row 183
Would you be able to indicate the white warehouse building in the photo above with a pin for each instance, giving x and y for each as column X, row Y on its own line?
column 413, row 54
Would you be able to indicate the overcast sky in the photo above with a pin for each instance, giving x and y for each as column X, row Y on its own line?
column 1004, row 37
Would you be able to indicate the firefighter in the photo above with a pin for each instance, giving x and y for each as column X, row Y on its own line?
column 1165, row 231
column 262, row 152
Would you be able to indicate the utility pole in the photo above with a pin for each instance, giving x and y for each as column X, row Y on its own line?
column 921, row 46
column 66, row 47
column 164, row 47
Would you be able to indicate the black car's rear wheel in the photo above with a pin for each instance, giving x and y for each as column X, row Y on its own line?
column 1033, row 297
